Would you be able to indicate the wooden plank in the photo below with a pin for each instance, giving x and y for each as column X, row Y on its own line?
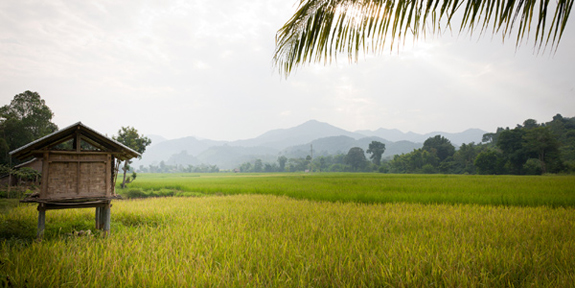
column 72, row 200
column 76, row 153
column 95, row 144
column 77, row 161
column 74, row 206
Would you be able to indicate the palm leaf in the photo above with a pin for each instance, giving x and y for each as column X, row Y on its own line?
column 321, row 29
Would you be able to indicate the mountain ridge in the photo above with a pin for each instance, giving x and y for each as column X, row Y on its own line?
column 269, row 145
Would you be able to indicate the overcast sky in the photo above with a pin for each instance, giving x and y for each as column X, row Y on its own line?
column 204, row 68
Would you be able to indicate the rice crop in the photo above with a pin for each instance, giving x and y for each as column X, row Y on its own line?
column 549, row 190
column 277, row 241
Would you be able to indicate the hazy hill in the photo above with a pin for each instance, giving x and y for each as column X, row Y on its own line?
column 291, row 142
column 164, row 150
column 156, row 139
column 304, row 133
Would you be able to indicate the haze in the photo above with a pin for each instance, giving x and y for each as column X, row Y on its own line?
column 203, row 68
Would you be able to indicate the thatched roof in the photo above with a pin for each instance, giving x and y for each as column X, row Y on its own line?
column 87, row 134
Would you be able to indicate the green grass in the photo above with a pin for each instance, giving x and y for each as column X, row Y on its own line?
column 271, row 241
column 7, row 204
column 554, row 191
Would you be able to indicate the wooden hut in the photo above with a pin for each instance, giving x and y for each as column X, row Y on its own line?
column 79, row 169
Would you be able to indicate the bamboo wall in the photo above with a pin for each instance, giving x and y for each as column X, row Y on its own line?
column 76, row 175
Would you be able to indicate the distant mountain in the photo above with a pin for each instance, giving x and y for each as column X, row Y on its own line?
column 326, row 139
column 467, row 136
column 183, row 158
column 164, row 150
column 156, row 139
column 304, row 133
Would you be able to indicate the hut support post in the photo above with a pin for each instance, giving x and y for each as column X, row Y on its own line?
column 41, row 221
column 107, row 217
column 98, row 218
column 102, row 218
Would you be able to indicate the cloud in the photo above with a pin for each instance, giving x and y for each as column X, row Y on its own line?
column 179, row 68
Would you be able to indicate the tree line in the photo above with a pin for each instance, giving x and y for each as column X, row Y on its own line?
column 354, row 161
column 528, row 149
column 162, row 167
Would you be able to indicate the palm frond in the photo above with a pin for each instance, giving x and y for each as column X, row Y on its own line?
column 321, row 29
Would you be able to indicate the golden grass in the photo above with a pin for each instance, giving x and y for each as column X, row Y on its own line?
column 274, row 241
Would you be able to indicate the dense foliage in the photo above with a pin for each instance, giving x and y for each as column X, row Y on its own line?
column 531, row 148
column 24, row 120
column 129, row 136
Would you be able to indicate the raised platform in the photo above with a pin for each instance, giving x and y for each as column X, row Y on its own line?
column 102, row 204
column 67, row 203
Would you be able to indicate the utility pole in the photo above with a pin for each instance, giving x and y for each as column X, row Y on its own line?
column 311, row 150
column 311, row 156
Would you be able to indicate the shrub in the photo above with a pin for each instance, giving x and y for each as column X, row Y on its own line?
column 136, row 193
column 533, row 167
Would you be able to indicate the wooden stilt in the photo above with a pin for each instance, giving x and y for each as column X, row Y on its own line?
column 41, row 221
column 102, row 218
column 98, row 218
column 107, row 219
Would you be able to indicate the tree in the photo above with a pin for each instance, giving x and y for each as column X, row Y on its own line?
column 320, row 29
column 258, row 166
column 491, row 138
column 488, row 162
column 530, row 124
column 129, row 136
column 439, row 145
column 282, row 162
column 246, row 167
column 376, row 149
column 464, row 158
column 414, row 162
column 511, row 143
column 541, row 141
column 24, row 120
column 356, row 158
column 298, row 164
